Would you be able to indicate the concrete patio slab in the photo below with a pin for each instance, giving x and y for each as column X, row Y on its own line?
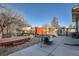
column 56, row 49
column 48, row 48
column 64, row 51
column 35, row 50
column 30, row 51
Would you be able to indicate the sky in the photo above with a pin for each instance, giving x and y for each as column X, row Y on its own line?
column 38, row 14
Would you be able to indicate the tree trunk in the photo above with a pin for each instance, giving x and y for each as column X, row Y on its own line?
column 7, row 31
column 2, row 31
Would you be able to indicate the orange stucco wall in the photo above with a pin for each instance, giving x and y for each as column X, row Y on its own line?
column 39, row 30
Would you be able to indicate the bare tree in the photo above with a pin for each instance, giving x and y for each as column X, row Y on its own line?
column 8, row 17
column 54, row 22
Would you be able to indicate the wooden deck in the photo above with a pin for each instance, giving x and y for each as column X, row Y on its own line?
column 14, row 40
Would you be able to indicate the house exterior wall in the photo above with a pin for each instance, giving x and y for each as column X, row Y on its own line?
column 44, row 31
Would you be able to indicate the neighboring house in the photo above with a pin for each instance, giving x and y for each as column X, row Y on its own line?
column 26, row 29
column 43, row 31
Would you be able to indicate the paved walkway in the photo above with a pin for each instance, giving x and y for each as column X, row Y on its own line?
column 57, row 49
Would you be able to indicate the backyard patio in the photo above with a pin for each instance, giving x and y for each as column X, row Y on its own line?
column 56, row 49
